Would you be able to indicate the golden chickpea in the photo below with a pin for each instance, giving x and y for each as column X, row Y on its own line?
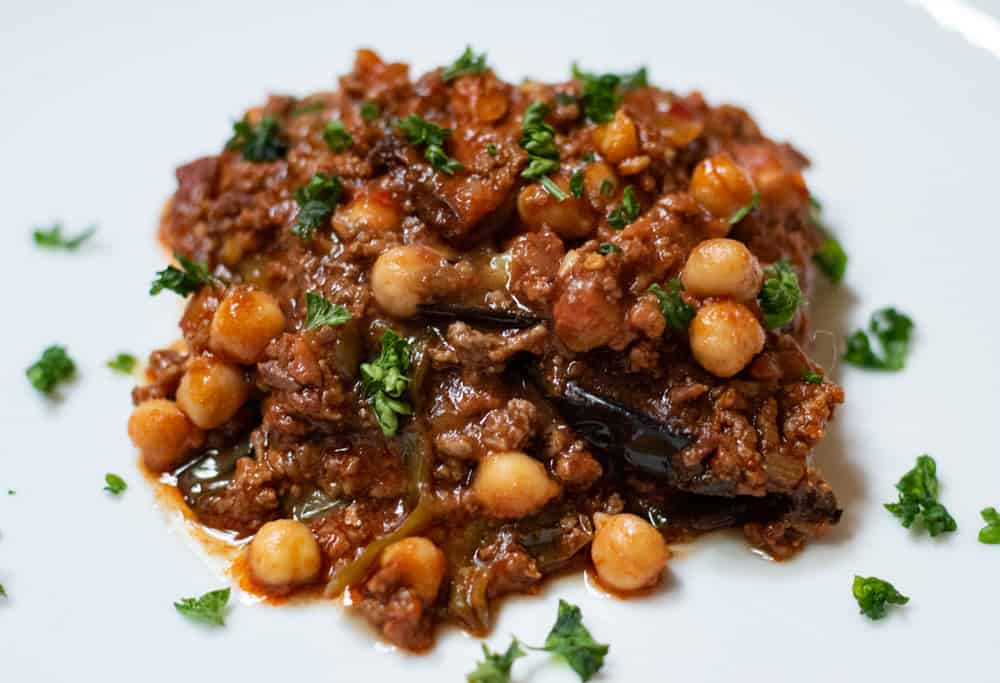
column 628, row 552
column 162, row 433
column 419, row 563
column 512, row 484
column 722, row 267
column 211, row 392
column 284, row 554
column 721, row 185
column 569, row 218
column 366, row 213
column 244, row 324
column 618, row 139
column 402, row 278
column 724, row 337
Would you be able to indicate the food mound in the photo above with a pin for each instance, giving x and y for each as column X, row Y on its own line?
column 447, row 337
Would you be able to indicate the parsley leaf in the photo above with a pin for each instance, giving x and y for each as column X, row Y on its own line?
column 873, row 594
column 467, row 64
column 385, row 381
column 54, row 367
column 321, row 312
column 316, row 201
column 811, row 377
column 991, row 532
column 576, row 184
column 114, row 484
column 553, row 189
column 3, row 591
column 831, row 259
column 626, row 212
column 893, row 331
column 918, row 491
column 607, row 187
column 336, row 136
column 188, row 278
column 495, row 667
column 746, row 210
column 422, row 133
column 607, row 248
column 123, row 363
column 370, row 110
column 262, row 142
column 602, row 92
column 492, row 149
column 678, row 312
column 570, row 639
column 538, row 139
column 54, row 239
column 780, row 297
column 210, row 608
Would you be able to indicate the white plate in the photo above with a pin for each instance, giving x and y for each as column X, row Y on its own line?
column 898, row 106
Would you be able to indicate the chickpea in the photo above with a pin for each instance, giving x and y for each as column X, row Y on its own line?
column 512, row 484
column 722, row 267
column 628, row 552
column 211, row 392
column 721, row 185
column 724, row 337
column 617, row 140
column 402, row 278
column 419, row 563
column 244, row 324
column 366, row 213
column 162, row 433
column 283, row 554
column 569, row 218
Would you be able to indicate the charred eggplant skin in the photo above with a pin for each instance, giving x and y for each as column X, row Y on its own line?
column 483, row 317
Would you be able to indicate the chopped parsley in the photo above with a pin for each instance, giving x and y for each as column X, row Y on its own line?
column 54, row 239
column 114, row 484
column 3, row 591
column 184, row 280
column 210, row 608
column 678, row 312
column 385, row 382
column 336, row 136
column 893, row 330
column 607, row 187
column 467, row 64
column 602, row 92
column 11, row 492
column 53, row 368
column 321, row 312
column 123, row 363
column 780, row 297
column 831, row 259
column 553, row 189
column 261, row 142
column 495, row 667
column 422, row 133
column 492, row 149
column 539, row 140
column 626, row 212
column 607, row 248
column 990, row 533
column 370, row 110
column 812, row 378
column 918, row 492
column 873, row 594
column 576, row 184
column 571, row 640
column 316, row 201
column 746, row 210
column 589, row 157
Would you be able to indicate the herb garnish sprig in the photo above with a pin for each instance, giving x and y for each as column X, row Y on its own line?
column 601, row 93
column 53, row 238
column 210, row 608
column 423, row 134
column 184, row 280
column 873, row 594
column 893, row 330
column 385, row 380
column 316, row 200
column 258, row 142
column 52, row 369
column 780, row 296
column 468, row 63
column 918, row 499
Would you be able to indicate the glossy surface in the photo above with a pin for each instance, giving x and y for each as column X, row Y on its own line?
column 859, row 113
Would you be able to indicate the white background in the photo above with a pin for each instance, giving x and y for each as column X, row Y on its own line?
column 100, row 101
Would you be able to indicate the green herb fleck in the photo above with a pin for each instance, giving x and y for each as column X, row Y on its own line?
column 626, row 212
column 588, row 158
column 746, row 210
column 114, row 484
column 990, row 533
column 553, row 189
column 309, row 108
column 321, row 312
column 262, row 142
column 11, row 492
column 336, row 136
column 495, row 667
column 893, row 331
column 385, row 382
column 123, row 363
column 539, row 140
column 54, row 239
column 678, row 312
column 184, row 280
column 780, row 297
column 874, row 594
column 607, row 187
column 3, row 591
column 602, row 92
column 210, row 608
column 576, row 184
column 370, row 110
column 831, row 259
column 812, row 378
column 571, row 640
column 467, row 64
column 424, row 134
column 607, row 248
column 918, row 492
column 492, row 149
column 53, row 368
column 565, row 98
column 316, row 201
